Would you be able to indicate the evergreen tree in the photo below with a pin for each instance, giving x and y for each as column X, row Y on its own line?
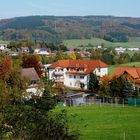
column 127, row 90
column 93, row 82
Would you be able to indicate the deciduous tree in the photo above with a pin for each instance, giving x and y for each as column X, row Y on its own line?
column 104, row 87
column 32, row 61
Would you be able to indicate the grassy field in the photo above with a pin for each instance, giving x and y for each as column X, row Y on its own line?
column 106, row 122
column 4, row 42
column 73, row 43
column 113, row 67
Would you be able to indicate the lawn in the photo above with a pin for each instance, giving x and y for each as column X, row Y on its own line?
column 4, row 42
column 106, row 122
column 73, row 43
column 113, row 67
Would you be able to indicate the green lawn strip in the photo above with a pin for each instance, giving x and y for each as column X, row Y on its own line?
column 105, row 122
column 73, row 43
column 113, row 67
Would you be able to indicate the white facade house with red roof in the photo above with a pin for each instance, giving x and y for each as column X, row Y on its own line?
column 74, row 73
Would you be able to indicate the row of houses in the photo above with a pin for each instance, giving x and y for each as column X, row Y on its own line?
column 37, row 50
column 76, row 73
column 120, row 49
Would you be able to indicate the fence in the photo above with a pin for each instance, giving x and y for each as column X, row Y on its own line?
column 101, row 101
column 120, row 136
column 134, row 101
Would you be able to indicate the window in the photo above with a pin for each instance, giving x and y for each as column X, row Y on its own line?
column 81, row 69
column 74, row 76
column 81, row 77
column 61, row 69
column 33, row 82
column 70, row 76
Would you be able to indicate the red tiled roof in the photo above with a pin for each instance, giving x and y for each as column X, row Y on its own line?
column 134, row 72
column 78, row 64
column 88, row 65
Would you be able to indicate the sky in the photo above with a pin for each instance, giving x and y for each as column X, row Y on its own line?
column 121, row 8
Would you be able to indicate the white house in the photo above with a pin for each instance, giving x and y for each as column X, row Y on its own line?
column 33, row 80
column 3, row 46
column 76, row 73
column 120, row 49
column 133, row 49
column 43, row 52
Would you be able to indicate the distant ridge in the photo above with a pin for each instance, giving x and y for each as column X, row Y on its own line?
column 66, row 27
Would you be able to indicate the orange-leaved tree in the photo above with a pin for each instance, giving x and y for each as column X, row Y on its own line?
column 5, row 67
column 33, row 61
column 104, row 86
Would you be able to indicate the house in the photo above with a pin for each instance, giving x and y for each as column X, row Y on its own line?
column 133, row 49
column 76, row 73
column 130, row 73
column 120, row 49
column 43, row 51
column 25, row 50
column 3, row 45
column 34, row 49
column 31, row 75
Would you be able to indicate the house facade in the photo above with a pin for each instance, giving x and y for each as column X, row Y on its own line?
column 33, row 79
column 76, row 73
column 129, row 73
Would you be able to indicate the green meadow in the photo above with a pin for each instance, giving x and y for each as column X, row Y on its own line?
column 105, row 122
column 112, row 68
column 73, row 43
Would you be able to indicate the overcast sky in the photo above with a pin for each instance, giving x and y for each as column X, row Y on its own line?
column 15, row 8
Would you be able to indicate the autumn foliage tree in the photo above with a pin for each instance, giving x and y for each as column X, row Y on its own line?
column 32, row 61
column 5, row 67
column 104, row 87
column 11, row 83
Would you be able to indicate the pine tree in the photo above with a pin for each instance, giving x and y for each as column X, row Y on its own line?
column 93, row 82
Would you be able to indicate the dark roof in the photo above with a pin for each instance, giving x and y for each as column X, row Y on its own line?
column 30, row 74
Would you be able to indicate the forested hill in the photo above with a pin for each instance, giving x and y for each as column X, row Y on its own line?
column 68, row 27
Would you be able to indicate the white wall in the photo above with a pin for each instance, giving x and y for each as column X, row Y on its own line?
column 74, row 80
column 101, row 71
column 51, row 73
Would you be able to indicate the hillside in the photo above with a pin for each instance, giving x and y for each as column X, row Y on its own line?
column 74, row 43
column 68, row 27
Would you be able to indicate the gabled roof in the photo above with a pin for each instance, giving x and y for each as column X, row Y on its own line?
column 78, row 64
column 134, row 72
column 30, row 74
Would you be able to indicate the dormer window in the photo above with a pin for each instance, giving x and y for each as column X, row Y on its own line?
column 81, row 69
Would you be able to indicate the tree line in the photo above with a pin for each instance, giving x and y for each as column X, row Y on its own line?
column 111, row 57
column 33, row 118
column 119, row 87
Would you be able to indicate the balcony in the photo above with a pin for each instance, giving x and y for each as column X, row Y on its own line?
column 59, row 80
column 58, row 73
